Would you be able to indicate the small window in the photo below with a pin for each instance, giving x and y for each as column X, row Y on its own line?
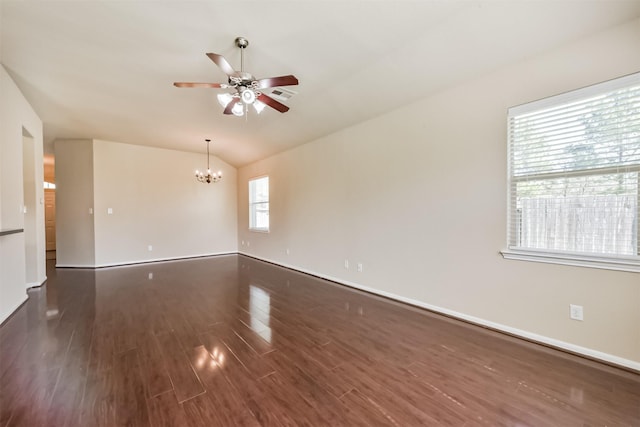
column 259, row 204
column 574, row 175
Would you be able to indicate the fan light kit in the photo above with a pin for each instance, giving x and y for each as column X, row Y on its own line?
column 247, row 88
column 208, row 177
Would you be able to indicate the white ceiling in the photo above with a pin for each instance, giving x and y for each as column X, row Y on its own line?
column 104, row 69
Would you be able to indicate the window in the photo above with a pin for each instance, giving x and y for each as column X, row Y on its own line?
column 574, row 174
column 259, row 204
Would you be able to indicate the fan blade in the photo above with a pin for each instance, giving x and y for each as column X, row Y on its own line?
column 190, row 84
column 273, row 103
column 221, row 62
column 230, row 105
column 289, row 80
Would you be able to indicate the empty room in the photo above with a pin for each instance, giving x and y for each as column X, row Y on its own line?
column 320, row 213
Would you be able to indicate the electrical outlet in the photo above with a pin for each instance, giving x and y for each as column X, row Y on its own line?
column 360, row 267
column 288, row 251
column 346, row 264
column 576, row 312
column 150, row 248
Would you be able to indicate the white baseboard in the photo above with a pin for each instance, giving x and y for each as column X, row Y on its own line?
column 8, row 313
column 75, row 266
column 594, row 354
column 36, row 284
column 144, row 261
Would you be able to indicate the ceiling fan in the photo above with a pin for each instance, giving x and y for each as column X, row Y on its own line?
column 248, row 88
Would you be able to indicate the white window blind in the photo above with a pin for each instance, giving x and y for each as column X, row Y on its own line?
column 574, row 173
column 259, row 204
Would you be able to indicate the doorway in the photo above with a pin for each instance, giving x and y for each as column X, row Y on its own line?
column 50, row 206
column 29, row 209
column 50, row 222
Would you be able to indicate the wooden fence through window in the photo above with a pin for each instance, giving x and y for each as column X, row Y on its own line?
column 605, row 224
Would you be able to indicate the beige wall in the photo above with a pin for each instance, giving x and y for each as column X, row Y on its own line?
column 75, row 241
column 154, row 198
column 17, row 117
column 156, row 201
column 418, row 196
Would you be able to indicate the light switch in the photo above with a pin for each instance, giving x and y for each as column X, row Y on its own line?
column 109, row 211
column 90, row 211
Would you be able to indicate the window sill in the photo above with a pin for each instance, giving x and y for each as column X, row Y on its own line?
column 629, row 264
column 259, row 230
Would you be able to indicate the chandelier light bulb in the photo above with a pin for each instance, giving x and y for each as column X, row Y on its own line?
column 224, row 99
column 259, row 106
column 248, row 96
column 238, row 109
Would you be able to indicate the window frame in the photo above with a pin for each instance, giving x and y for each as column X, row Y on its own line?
column 253, row 205
column 611, row 262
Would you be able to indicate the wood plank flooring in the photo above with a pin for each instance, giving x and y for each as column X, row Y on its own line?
column 232, row 341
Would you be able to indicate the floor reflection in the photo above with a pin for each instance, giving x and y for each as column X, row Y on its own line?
column 260, row 308
column 235, row 337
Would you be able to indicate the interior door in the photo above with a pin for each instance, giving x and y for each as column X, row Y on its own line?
column 50, row 218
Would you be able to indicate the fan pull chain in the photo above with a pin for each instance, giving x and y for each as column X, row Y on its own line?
column 208, row 167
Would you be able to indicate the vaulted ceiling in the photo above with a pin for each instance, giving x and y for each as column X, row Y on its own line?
column 105, row 69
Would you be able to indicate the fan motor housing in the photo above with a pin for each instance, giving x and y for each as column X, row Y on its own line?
column 241, row 42
column 242, row 78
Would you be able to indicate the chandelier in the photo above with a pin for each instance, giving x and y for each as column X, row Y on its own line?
column 208, row 177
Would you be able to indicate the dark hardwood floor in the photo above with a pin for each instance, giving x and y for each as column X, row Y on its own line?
column 231, row 341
